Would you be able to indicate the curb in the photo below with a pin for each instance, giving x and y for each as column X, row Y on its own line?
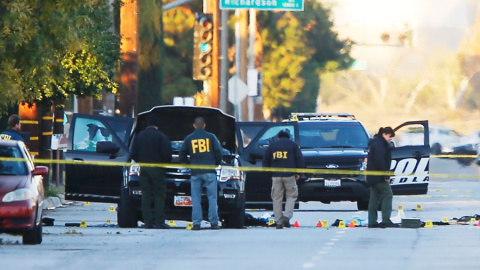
column 48, row 204
column 51, row 203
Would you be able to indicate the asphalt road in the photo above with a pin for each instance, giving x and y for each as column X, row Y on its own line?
column 102, row 245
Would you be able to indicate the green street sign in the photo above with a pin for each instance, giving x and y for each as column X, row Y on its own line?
column 287, row 5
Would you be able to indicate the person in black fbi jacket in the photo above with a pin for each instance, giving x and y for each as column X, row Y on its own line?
column 379, row 159
column 284, row 153
column 13, row 130
column 204, row 149
column 152, row 146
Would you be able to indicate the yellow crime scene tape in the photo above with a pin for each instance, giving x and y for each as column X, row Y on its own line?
column 249, row 169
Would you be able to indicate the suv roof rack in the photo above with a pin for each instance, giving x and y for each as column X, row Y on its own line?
column 313, row 116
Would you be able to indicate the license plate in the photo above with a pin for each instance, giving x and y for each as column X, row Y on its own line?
column 333, row 183
column 182, row 201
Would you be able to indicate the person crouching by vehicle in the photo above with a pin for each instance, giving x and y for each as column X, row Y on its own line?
column 204, row 149
column 152, row 146
column 284, row 153
column 379, row 159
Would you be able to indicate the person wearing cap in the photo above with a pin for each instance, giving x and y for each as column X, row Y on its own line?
column 284, row 153
column 379, row 159
column 13, row 130
column 204, row 149
column 152, row 146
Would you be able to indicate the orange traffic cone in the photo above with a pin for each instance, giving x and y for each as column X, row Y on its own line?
column 478, row 224
column 319, row 224
column 296, row 225
column 351, row 224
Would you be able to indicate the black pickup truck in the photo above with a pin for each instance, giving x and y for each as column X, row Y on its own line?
column 96, row 142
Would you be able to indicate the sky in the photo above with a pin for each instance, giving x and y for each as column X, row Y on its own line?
column 434, row 24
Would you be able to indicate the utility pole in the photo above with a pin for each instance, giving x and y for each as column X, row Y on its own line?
column 127, row 95
column 214, row 83
column 223, row 60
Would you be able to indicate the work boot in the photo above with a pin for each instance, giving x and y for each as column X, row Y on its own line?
column 196, row 227
column 286, row 222
column 214, row 226
column 163, row 226
column 280, row 223
column 388, row 225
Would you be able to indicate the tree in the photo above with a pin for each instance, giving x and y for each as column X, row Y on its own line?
column 151, row 54
column 51, row 50
column 298, row 46
column 178, row 23
column 284, row 53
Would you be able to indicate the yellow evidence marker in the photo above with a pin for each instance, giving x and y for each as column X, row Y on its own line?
column 428, row 224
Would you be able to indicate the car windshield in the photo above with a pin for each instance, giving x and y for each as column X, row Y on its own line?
column 8, row 166
column 330, row 136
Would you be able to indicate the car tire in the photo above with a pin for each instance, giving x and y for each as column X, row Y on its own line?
column 236, row 219
column 126, row 215
column 33, row 236
column 362, row 205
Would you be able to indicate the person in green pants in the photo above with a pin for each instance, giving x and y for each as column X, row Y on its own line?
column 379, row 159
column 152, row 146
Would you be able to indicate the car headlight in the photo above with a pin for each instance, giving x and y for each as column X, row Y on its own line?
column 21, row 194
column 363, row 167
column 229, row 173
column 134, row 170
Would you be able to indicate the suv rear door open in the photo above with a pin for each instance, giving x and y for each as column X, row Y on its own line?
column 410, row 159
column 92, row 139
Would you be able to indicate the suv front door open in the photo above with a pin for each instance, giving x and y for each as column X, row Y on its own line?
column 98, row 139
column 254, row 138
column 410, row 159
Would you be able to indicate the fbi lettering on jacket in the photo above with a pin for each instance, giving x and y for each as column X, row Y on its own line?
column 280, row 154
column 5, row 137
column 200, row 145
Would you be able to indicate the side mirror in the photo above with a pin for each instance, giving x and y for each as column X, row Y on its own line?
column 107, row 147
column 40, row 170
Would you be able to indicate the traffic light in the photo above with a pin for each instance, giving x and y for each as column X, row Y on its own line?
column 202, row 47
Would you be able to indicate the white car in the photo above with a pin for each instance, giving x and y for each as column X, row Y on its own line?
column 443, row 140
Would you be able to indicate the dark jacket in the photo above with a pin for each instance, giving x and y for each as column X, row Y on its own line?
column 283, row 153
column 151, row 146
column 379, row 159
column 11, row 134
column 203, row 148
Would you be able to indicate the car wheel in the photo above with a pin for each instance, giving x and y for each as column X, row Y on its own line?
column 33, row 236
column 362, row 205
column 436, row 149
column 126, row 215
column 236, row 219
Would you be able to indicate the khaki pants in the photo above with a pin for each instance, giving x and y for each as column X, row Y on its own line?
column 281, row 186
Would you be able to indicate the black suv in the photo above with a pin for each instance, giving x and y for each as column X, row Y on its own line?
column 99, row 146
column 336, row 146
